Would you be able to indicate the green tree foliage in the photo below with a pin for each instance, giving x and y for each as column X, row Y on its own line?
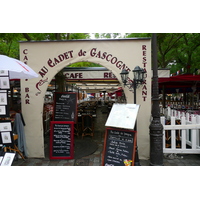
column 187, row 53
column 9, row 42
column 137, row 35
column 177, row 51
column 167, row 46
column 108, row 35
column 84, row 64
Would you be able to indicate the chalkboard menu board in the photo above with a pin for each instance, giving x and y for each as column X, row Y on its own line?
column 62, row 140
column 65, row 106
column 119, row 147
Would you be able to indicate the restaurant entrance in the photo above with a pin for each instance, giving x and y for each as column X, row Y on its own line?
column 95, row 97
column 49, row 57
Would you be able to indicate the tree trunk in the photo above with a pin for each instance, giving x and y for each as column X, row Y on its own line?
column 27, row 36
column 57, row 36
column 60, row 81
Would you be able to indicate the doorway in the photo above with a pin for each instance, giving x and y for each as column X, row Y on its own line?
column 96, row 94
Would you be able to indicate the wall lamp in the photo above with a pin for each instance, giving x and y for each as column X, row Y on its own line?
column 138, row 79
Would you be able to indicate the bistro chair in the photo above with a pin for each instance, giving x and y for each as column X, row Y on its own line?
column 14, row 147
column 77, row 126
column 87, row 125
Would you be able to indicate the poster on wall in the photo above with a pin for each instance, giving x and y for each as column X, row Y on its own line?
column 7, row 159
column 65, row 106
column 6, row 137
column 4, row 73
column 4, row 111
column 4, row 83
column 4, row 87
column 4, row 80
column 5, row 125
column 3, row 98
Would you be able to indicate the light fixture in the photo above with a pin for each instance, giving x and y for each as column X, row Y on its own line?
column 124, row 76
column 138, row 74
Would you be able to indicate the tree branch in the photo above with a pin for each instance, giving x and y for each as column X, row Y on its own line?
column 27, row 36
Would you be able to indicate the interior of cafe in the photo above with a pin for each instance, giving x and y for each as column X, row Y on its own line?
column 180, row 92
column 92, row 93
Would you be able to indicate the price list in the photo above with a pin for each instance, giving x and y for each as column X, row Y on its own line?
column 61, row 140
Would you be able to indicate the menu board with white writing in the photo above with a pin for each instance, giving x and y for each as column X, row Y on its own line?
column 119, row 147
column 61, row 140
column 65, row 106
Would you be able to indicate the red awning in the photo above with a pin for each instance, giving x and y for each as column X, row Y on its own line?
column 180, row 78
column 183, row 81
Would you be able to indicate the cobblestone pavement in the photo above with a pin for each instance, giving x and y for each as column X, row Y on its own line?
column 96, row 158
column 177, row 160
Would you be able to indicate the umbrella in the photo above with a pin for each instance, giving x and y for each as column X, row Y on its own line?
column 16, row 68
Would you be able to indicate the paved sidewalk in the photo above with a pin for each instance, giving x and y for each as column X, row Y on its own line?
column 90, row 160
column 177, row 160
column 95, row 160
